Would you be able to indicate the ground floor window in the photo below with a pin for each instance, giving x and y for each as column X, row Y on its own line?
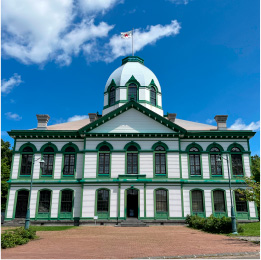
column 197, row 201
column 241, row 204
column 103, row 201
column 219, row 201
column 44, row 201
column 161, row 201
column 67, row 200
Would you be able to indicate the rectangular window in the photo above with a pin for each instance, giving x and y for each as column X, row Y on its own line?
column 161, row 201
column 216, row 165
column 103, row 201
column 237, row 165
column 66, row 202
column 104, row 163
column 219, row 201
column 132, row 92
column 69, row 163
column 160, row 163
column 197, row 201
column 132, row 163
column 26, row 165
column 195, row 164
column 44, row 201
column 241, row 204
column 48, row 164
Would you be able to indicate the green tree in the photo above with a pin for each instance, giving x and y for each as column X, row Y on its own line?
column 255, row 167
column 6, row 159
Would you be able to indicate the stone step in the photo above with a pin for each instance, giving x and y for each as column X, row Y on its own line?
column 132, row 222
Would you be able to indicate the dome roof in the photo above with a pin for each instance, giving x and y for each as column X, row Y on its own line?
column 132, row 66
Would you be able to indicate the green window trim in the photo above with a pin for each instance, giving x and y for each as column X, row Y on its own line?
column 240, row 215
column 75, row 159
column 43, row 215
column 196, row 176
column 154, row 147
column 48, row 176
column 231, row 165
column 200, row 214
column 219, row 213
column 66, row 215
column 161, row 214
column 110, row 148
column 15, row 200
column 216, row 154
column 103, row 215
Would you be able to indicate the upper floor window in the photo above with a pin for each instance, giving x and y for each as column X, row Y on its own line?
column 216, row 164
column 103, row 201
column 153, row 96
column 236, row 159
column 219, row 201
column 160, row 160
column 27, row 159
column 69, row 161
column 194, row 160
column 112, row 96
column 132, row 160
column 132, row 91
column 48, row 156
column 241, row 204
column 197, row 201
column 104, row 160
column 44, row 201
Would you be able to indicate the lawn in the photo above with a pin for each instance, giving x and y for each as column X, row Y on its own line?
column 51, row 228
column 250, row 229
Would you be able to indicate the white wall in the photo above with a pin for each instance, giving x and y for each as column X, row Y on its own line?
column 173, row 165
column 90, row 165
column 117, row 164
column 146, row 164
column 184, row 165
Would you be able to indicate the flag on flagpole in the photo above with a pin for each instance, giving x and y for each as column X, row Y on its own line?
column 126, row 35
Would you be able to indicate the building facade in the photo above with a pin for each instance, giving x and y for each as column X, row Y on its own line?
column 131, row 161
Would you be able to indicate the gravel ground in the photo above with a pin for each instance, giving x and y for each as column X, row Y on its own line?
column 124, row 242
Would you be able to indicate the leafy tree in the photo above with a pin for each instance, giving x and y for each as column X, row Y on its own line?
column 255, row 167
column 6, row 159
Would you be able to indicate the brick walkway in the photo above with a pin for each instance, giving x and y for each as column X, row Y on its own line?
column 112, row 242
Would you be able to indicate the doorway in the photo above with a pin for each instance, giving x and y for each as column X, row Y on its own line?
column 21, row 204
column 132, row 203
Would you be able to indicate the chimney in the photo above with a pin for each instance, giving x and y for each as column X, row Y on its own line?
column 172, row 117
column 93, row 117
column 221, row 122
column 42, row 122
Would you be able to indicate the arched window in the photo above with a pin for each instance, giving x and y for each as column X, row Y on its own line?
column 48, row 156
column 194, row 160
column 153, row 96
column 44, row 201
column 66, row 201
column 69, row 161
column 103, row 201
column 236, row 159
column 104, row 160
column 112, row 96
column 216, row 164
column 132, row 91
column 219, row 201
column 132, row 160
column 21, row 203
column 160, row 160
column 27, row 159
column 197, row 201
column 241, row 204
column 161, row 201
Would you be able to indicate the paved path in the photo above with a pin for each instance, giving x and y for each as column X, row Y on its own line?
column 118, row 242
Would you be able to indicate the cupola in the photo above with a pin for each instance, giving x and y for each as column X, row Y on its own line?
column 132, row 80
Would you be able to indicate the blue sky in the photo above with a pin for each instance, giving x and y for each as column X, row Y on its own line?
column 57, row 56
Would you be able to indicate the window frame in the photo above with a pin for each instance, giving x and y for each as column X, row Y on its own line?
column 199, row 213
column 155, row 152
column 155, row 91
column 161, row 214
column 66, row 215
column 240, row 154
column 43, row 215
column 132, row 85
column 112, row 90
column 219, row 213
column 98, row 174
column 216, row 154
column 126, row 147
column 42, row 157
column 102, row 214
column 21, row 160
column 76, row 150
column 198, row 154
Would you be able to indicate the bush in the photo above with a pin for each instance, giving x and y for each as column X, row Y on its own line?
column 18, row 236
column 211, row 224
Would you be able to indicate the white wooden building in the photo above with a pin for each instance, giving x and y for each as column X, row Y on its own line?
column 131, row 161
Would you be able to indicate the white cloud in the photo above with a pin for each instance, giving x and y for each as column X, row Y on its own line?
column 35, row 32
column 13, row 116
column 121, row 47
column 210, row 121
column 180, row 2
column 42, row 30
column 77, row 117
column 8, row 85
column 240, row 125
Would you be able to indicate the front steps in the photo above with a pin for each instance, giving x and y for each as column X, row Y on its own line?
column 132, row 222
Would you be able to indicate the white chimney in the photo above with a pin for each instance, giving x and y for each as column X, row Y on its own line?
column 42, row 122
column 221, row 122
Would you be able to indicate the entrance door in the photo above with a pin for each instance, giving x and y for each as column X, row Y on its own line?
column 21, row 203
column 132, row 203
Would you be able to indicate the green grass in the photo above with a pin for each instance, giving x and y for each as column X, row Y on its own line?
column 51, row 228
column 250, row 229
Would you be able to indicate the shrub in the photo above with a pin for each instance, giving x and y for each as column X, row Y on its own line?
column 210, row 224
column 18, row 236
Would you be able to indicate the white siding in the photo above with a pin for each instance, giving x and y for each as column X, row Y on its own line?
column 33, row 202
column 141, row 188
column 79, row 165
column 228, row 203
column 123, row 93
column 252, row 210
column 132, row 121
column 146, row 164
column 122, row 199
column 90, row 165
column 208, row 202
column 117, row 164
column 142, row 94
column 246, row 165
column 10, row 205
column 186, row 202
column 149, row 202
column 36, row 170
column 114, row 202
column 55, row 202
column 58, row 166
column 16, row 162
column 226, row 161
column 184, row 166
column 88, row 202
column 175, row 208
column 105, row 100
column 159, row 99
column 205, row 166
column 173, row 165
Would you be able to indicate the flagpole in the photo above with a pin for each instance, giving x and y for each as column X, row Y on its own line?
column 132, row 41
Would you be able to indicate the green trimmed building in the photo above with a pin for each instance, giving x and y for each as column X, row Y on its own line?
column 130, row 162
